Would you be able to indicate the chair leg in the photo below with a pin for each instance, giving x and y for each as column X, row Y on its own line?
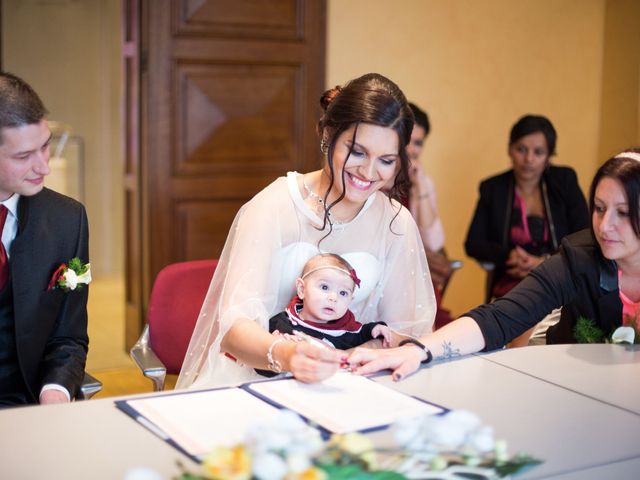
column 90, row 386
column 158, row 378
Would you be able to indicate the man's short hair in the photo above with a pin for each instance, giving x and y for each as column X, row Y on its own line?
column 19, row 103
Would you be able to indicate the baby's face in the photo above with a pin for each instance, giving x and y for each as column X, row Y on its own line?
column 327, row 295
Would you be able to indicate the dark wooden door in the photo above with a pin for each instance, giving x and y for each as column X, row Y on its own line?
column 229, row 98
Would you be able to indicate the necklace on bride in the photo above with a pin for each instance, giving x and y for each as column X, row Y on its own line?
column 321, row 208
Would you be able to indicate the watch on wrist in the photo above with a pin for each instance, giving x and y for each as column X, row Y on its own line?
column 420, row 345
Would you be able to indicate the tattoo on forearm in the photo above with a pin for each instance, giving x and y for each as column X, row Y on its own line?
column 448, row 351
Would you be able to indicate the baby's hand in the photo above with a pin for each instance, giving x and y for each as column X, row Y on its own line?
column 384, row 332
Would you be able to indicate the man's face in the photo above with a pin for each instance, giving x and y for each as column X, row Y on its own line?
column 24, row 159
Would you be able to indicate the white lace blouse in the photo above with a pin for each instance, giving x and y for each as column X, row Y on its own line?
column 272, row 237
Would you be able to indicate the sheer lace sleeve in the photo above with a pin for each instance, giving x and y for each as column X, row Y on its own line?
column 407, row 301
column 240, row 288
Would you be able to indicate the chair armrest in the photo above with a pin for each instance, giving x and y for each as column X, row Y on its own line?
column 148, row 361
column 90, row 386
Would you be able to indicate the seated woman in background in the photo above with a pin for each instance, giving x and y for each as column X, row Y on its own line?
column 595, row 277
column 339, row 209
column 523, row 213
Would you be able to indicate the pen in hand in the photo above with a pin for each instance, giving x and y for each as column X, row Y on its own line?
column 301, row 336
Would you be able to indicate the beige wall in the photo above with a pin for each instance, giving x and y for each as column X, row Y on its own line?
column 620, row 111
column 69, row 51
column 476, row 67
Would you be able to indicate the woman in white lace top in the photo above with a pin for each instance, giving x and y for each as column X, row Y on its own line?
column 338, row 209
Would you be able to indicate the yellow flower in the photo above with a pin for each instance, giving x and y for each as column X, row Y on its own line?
column 356, row 444
column 228, row 464
column 312, row 473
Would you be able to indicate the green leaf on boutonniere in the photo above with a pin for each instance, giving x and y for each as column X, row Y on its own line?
column 586, row 331
column 77, row 266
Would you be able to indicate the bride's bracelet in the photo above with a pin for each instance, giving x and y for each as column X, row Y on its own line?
column 273, row 364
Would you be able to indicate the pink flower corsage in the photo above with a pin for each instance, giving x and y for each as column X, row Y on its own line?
column 71, row 276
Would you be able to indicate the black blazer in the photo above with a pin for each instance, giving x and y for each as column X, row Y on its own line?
column 578, row 279
column 50, row 326
column 488, row 235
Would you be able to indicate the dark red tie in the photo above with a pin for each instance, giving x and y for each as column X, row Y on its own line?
column 4, row 261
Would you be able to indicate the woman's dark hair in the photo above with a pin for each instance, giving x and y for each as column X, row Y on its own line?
column 626, row 170
column 533, row 124
column 372, row 99
column 421, row 118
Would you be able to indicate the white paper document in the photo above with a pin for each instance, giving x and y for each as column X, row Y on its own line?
column 344, row 403
column 200, row 421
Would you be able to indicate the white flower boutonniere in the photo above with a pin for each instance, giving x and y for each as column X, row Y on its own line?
column 71, row 276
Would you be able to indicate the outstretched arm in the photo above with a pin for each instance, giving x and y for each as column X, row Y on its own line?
column 460, row 337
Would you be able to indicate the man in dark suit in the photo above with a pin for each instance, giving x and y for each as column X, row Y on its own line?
column 43, row 330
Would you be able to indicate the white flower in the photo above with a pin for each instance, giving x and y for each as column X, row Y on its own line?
column 450, row 431
column 623, row 335
column 269, row 466
column 500, row 451
column 481, row 439
column 298, row 463
column 86, row 276
column 70, row 279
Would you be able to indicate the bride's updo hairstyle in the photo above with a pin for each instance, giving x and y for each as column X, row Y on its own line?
column 373, row 99
column 625, row 168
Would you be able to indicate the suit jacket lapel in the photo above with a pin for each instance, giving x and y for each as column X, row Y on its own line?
column 20, row 264
column 609, row 305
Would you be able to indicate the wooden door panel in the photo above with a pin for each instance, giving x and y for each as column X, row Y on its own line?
column 229, row 95
column 236, row 117
column 203, row 225
column 256, row 18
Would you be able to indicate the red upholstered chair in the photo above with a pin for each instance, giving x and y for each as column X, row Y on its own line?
column 174, row 306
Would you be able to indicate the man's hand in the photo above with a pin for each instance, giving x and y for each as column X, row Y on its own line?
column 53, row 396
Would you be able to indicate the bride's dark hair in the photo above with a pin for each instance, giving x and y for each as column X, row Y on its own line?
column 373, row 99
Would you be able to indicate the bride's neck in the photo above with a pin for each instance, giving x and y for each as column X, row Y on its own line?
column 319, row 182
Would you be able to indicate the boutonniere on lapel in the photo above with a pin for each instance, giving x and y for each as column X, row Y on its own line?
column 71, row 276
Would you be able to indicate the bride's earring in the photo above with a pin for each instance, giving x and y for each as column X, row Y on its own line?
column 324, row 146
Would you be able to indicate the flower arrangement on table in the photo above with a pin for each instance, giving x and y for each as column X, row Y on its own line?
column 586, row 331
column 440, row 446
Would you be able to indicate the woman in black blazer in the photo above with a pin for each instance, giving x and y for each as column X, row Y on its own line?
column 595, row 277
column 523, row 214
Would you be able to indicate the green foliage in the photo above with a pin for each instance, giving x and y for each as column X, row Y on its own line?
column 357, row 472
column 586, row 331
column 516, row 464
column 77, row 266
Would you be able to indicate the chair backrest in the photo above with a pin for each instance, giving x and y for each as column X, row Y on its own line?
column 174, row 306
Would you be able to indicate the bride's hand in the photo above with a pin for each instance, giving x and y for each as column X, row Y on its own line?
column 310, row 363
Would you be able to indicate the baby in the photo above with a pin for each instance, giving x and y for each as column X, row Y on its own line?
column 321, row 307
